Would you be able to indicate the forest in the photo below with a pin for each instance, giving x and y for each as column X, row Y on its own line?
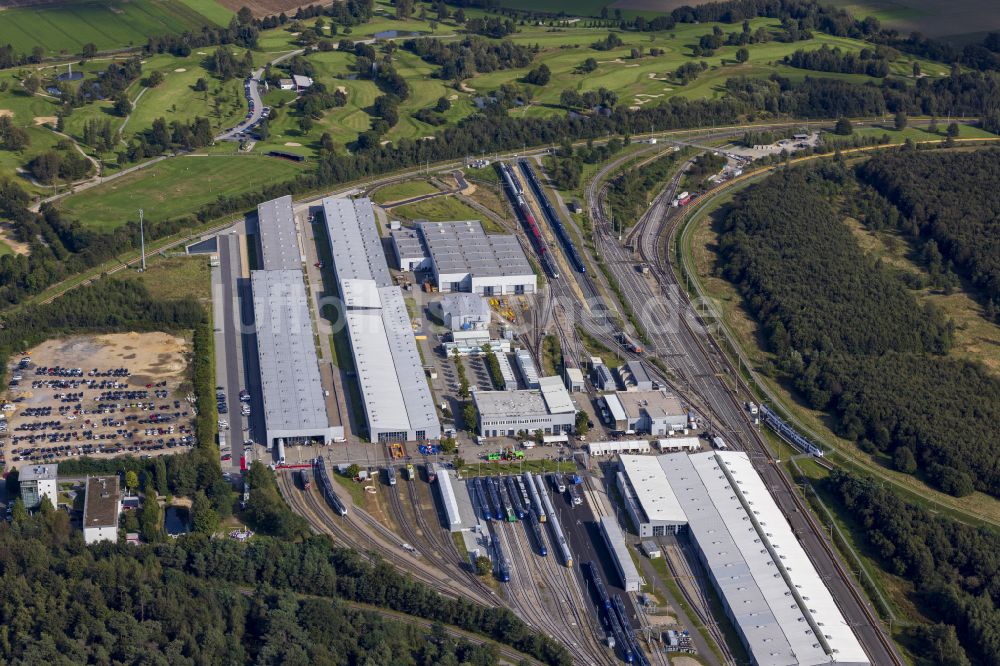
column 943, row 200
column 196, row 600
column 851, row 338
column 954, row 569
column 825, row 59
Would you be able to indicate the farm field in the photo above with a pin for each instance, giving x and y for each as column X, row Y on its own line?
column 959, row 21
column 174, row 187
column 64, row 27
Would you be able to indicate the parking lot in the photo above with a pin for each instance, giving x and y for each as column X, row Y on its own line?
column 97, row 396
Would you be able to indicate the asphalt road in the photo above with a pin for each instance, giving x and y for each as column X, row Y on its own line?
column 253, row 95
column 232, row 383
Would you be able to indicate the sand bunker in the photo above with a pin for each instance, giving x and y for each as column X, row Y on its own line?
column 180, row 69
column 46, row 120
column 6, row 113
column 292, row 144
column 342, row 89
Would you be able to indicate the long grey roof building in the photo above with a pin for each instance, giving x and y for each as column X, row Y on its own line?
column 397, row 400
column 279, row 243
column 294, row 404
column 779, row 604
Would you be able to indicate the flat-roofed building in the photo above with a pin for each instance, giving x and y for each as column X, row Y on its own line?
column 294, row 402
column 615, row 540
column 781, row 607
column 279, row 243
column 38, row 481
column 653, row 412
column 463, row 312
column 397, row 402
column 408, row 249
column 526, row 366
column 463, row 257
column 354, row 241
column 618, row 446
column 649, row 499
column 548, row 408
column 102, row 504
column 635, row 377
column 673, row 444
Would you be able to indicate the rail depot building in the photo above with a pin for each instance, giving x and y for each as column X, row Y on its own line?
column 652, row 412
column 397, row 402
column 461, row 256
column 548, row 408
column 779, row 604
column 295, row 407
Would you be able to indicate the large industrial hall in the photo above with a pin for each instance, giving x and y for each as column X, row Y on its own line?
column 397, row 401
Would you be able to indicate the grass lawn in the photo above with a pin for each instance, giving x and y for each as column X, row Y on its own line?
column 438, row 209
column 173, row 187
column 5, row 249
column 64, row 27
column 174, row 277
column 403, row 191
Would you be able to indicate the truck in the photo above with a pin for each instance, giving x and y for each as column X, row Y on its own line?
column 752, row 408
column 719, row 443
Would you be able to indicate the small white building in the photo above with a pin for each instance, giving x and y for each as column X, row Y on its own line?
column 301, row 82
column 286, row 84
column 653, row 412
column 463, row 312
column 619, row 446
column 675, row 444
column 38, row 481
column 463, row 257
column 102, row 505
column 548, row 408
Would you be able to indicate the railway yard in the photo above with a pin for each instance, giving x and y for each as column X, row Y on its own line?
column 438, row 430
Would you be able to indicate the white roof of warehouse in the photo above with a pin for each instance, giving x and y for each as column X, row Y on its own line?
column 712, row 489
column 289, row 368
column 555, row 394
column 278, row 241
column 616, row 541
column 652, row 490
column 358, row 293
column 355, row 243
column 389, row 369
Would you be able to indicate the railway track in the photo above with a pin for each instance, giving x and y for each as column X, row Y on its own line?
column 656, row 224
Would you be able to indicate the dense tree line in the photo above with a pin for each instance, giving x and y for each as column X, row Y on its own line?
column 161, row 138
column 491, row 26
column 243, row 31
column 462, row 59
column 630, row 191
column 224, row 64
column 852, row 339
column 201, row 601
column 825, row 59
column 65, row 164
column 952, row 566
column 943, row 201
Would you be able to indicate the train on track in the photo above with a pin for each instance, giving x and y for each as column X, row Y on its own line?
column 494, row 493
column 506, row 505
column 516, row 194
column 503, row 568
column 558, row 538
column 304, row 479
column 536, row 500
column 788, row 433
column 629, row 343
column 326, row 487
column 480, row 498
column 536, row 531
column 515, row 497
column 590, row 569
column 553, row 218
column 391, row 474
column 630, row 644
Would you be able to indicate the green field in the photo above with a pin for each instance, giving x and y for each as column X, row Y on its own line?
column 174, row 187
column 64, row 27
column 438, row 209
column 402, row 191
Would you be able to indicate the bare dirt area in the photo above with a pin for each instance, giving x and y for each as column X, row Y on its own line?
column 45, row 120
column 7, row 236
column 99, row 396
column 264, row 7
column 6, row 113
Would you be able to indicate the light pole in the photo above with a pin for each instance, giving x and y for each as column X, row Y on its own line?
column 142, row 242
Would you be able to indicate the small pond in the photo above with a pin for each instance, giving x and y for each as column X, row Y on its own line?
column 393, row 34
column 176, row 520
